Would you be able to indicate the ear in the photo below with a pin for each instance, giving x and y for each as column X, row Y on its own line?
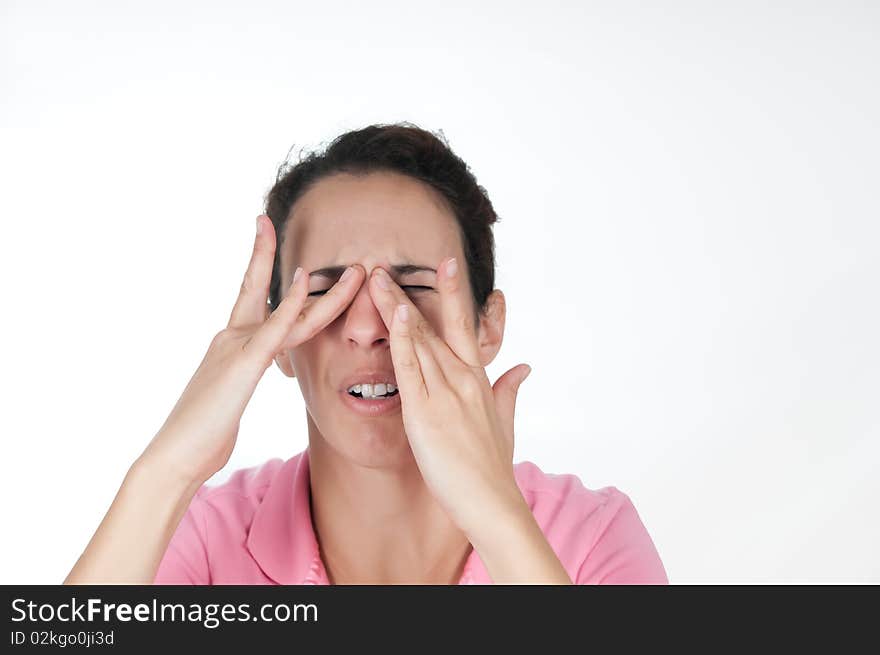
column 282, row 359
column 491, row 331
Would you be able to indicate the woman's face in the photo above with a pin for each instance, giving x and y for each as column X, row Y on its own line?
column 379, row 219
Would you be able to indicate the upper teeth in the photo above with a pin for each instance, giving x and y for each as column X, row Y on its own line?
column 372, row 390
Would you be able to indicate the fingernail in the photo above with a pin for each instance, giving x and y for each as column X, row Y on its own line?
column 403, row 313
column 346, row 274
column 452, row 267
column 259, row 225
column 382, row 279
column 297, row 273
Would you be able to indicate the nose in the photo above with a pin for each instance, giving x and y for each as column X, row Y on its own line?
column 363, row 325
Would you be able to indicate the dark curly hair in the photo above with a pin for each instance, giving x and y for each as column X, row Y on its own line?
column 402, row 148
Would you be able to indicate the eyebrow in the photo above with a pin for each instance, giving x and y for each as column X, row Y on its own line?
column 333, row 272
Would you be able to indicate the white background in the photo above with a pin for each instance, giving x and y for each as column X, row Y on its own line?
column 688, row 244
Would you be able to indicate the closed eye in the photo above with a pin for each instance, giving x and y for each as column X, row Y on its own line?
column 414, row 287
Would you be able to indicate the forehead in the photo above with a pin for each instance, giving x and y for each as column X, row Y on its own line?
column 377, row 218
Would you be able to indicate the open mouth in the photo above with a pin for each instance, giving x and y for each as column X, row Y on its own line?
column 388, row 394
column 372, row 394
column 372, row 390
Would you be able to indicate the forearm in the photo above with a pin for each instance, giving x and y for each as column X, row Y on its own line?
column 513, row 547
column 131, row 540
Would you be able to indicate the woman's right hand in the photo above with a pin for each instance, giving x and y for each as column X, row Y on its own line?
column 199, row 435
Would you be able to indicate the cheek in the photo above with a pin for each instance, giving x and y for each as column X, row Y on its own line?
column 305, row 359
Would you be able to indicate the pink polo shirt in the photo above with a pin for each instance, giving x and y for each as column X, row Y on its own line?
column 256, row 528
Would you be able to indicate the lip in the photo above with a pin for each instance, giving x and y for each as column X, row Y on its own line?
column 371, row 407
column 368, row 376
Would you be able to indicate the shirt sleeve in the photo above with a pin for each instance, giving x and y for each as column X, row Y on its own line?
column 624, row 552
column 186, row 559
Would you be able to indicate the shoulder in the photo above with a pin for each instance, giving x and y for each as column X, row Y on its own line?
column 247, row 482
column 242, row 491
column 560, row 499
column 209, row 540
column 597, row 533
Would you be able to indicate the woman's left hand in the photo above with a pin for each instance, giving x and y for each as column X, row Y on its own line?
column 459, row 426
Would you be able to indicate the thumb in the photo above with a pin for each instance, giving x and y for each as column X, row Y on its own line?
column 505, row 390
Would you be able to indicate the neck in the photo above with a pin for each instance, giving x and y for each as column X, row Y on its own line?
column 380, row 525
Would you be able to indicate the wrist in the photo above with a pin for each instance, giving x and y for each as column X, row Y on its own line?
column 152, row 467
column 513, row 546
column 495, row 512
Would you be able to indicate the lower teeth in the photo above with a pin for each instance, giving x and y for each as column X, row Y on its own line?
column 387, row 395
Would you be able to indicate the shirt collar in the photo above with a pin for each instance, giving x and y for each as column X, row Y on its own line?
column 282, row 538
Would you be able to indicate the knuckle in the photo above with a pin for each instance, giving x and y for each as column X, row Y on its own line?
column 302, row 318
column 287, row 314
column 464, row 324
column 300, row 324
column 469, row 385
column 247, row 283
column 408, row 362
column 262, row 248
column 422, row 331
column 287, row 306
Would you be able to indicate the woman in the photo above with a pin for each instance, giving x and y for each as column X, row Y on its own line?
column 377, row 261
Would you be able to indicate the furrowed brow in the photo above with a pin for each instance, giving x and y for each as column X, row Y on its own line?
column 333, row 272
column 408, row 269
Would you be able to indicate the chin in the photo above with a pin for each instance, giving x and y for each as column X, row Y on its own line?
column 371, row 443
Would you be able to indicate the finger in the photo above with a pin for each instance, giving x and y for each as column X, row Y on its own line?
column 505, row 391
column 326, row 308
column 290, row 324
column 250, row 307
column 438, row 361
column 407, row 366
column 457, row 311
